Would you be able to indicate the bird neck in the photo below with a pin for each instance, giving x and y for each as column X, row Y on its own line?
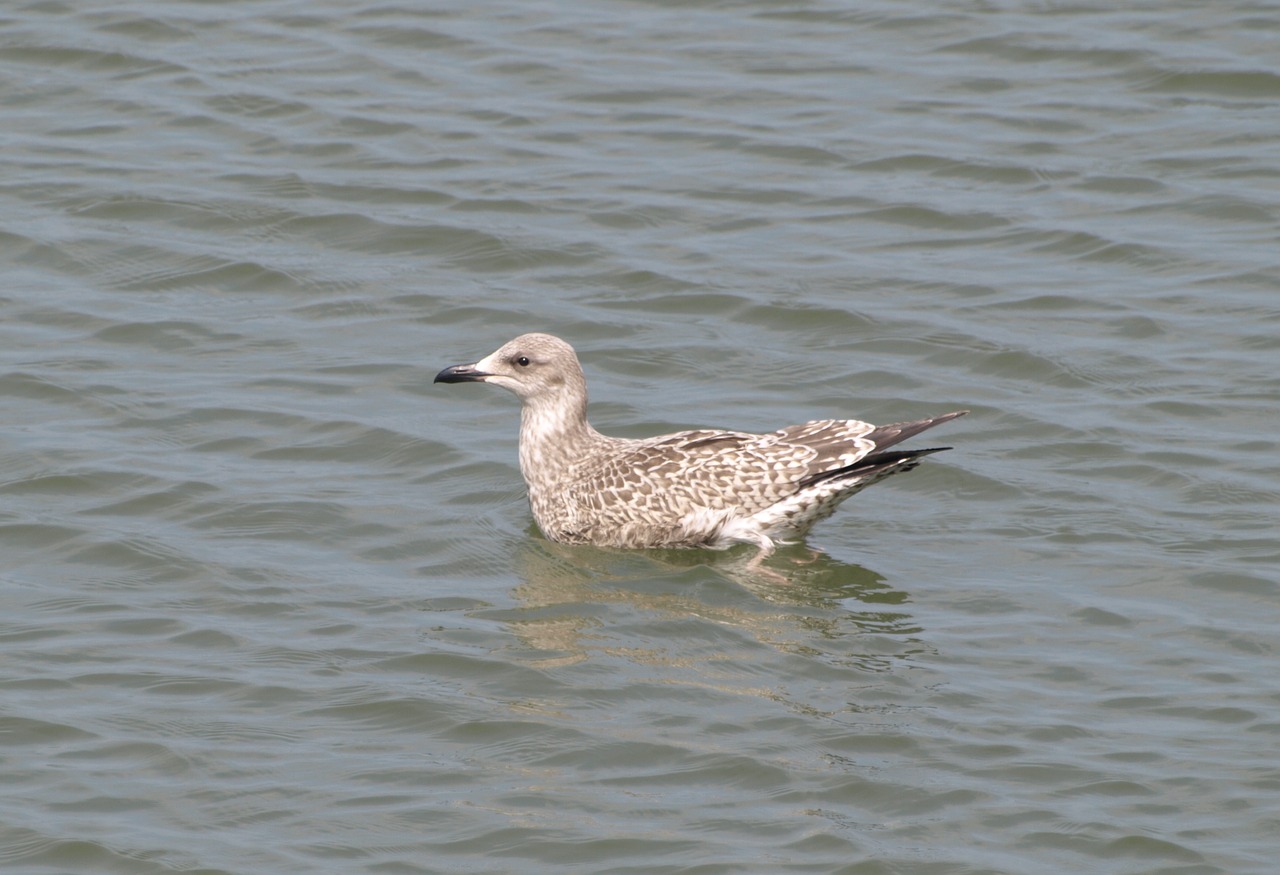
column 553, row 436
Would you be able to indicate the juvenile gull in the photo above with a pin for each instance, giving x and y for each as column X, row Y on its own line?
column 704, row 488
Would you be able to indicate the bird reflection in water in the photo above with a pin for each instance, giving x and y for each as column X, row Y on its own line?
column 806, row 600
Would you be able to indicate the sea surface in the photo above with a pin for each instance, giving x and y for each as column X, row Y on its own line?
column 271, row 602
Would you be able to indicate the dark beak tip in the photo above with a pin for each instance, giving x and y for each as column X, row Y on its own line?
column 460, row 374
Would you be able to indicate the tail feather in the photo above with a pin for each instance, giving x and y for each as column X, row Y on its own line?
column 885, row 436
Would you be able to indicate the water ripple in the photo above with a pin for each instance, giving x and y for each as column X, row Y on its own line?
column 274, row 603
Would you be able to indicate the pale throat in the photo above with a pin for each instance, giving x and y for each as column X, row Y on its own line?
column 552, row 437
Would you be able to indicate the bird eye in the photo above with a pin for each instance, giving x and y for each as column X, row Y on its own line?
column 522, row 361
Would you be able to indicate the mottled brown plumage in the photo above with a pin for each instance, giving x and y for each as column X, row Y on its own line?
column 703, row 488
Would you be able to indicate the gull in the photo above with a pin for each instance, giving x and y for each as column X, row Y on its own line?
column 703, row 488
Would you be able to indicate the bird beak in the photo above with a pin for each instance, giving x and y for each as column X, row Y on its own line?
column 461, row 374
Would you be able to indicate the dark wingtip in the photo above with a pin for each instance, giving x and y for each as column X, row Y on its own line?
column 876, row 463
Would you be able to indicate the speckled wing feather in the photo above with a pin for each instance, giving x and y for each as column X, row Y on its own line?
column 835, row 443
column 681, row 472
column 664, row 478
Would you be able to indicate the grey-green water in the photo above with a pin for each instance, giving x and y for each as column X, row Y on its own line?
column 270, row 602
